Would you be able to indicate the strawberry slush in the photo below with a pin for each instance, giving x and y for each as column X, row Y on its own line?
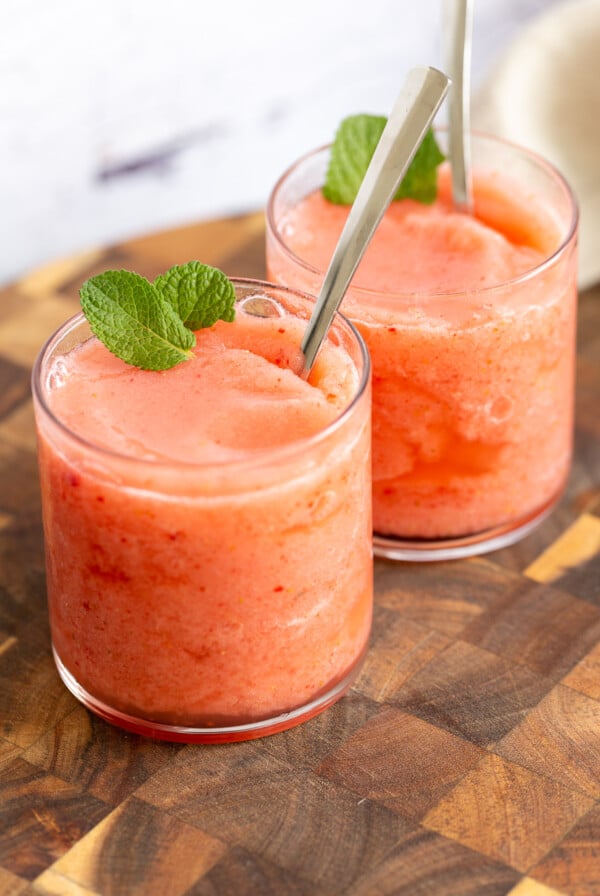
column 471, row 335
column 208, row 542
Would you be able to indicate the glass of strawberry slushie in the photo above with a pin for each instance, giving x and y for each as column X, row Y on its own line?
column 208, row 527
column 470, row 323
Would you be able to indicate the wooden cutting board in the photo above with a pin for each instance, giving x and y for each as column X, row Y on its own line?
column 465, row 761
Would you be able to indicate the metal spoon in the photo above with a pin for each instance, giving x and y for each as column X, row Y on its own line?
column 458, row 16
column 413, row 112
column 417, row 103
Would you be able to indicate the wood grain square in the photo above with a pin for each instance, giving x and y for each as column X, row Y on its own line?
column 573, row 866
column 540, row 626
column 240, row 872
column 583, row 579
column 18, row 427
column 32, row 697
column 572, row 563
column 401, row 762
column 559, row 738
column 102, row 760
column 507, row 812
column 586, row 470
column 519, row 556
column 20, row 491
column 53, row 883
column 14, row 386
column 588, row 325
column 587, row 395
column 8, row 752
column 11, row 885
column 306, row 745
column 588, row 500
column 426, row 864
column 299, row 822
column 7, row 642
column 399, row 648
column 41, row 817
column 440, row 596
column 141, row 852
column 584, row 477
column 9, row 613
column 22, row 572
column 585, row 676
column 472, row 693
column 594, row 504
column 527, row 886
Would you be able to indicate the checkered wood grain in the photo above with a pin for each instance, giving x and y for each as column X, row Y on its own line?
column 464, row 762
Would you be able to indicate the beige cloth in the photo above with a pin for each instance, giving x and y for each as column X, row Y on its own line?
column 545, row 94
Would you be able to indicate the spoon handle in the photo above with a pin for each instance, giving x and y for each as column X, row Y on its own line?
column 417, row 103
column 458, row 16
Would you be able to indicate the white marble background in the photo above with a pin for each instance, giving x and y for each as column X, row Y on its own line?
column 126, row 116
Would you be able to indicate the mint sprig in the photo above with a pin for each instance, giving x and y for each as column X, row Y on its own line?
column 351, row 153
column 149, row 325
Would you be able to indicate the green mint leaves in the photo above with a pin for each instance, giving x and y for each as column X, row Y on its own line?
column 352, row 150
column 150, row 325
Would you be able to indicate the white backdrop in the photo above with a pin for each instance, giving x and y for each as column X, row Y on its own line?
column 122, row 117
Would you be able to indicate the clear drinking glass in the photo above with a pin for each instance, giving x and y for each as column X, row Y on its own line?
column 472, row 389
column 209, row 602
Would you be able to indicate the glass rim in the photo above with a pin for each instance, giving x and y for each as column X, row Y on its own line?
column 254, row 460
column 531, row 273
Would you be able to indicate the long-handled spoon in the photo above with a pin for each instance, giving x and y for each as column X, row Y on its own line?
column 458, row 15
column 417, row 103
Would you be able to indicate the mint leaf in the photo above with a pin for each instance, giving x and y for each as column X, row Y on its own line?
column 200, row 295
column 351, row 153
column 128, row 314
column 352, row 150
column 420, row 181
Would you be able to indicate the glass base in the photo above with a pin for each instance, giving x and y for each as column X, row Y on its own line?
column 226, row 734
column 421, row 550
